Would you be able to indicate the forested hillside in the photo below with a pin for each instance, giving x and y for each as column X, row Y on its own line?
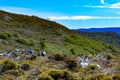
column 111, row 38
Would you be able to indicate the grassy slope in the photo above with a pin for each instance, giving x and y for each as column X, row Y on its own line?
column 29, row 31
column 107, row 37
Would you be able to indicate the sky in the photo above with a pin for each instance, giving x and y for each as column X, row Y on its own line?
column 74, row 14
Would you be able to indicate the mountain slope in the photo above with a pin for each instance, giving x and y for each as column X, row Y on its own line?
column 111, row 38
column 112, row 29
column 31, row 32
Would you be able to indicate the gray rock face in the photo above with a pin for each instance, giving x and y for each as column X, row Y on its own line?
column 84, row 60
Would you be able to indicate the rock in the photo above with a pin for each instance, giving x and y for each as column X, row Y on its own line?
column 84, row 64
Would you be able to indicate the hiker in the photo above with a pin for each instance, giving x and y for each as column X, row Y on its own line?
column 31, row 51
column 43, row 54
column 17, row 50
column 23, row 51
column 9, row 53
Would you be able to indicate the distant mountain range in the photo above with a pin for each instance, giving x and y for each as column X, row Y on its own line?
column 112, row 29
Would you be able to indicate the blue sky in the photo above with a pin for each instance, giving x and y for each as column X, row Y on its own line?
column 72, row 13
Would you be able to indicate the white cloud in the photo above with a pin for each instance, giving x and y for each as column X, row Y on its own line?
column 71, row 17
column 95, row 6
column 102, row 1
column 80, row 17
column 114, row 6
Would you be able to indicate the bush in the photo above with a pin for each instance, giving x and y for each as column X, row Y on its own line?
column 9, row 78
column 72, row 64
column 29, row 42
column 42, row 45
column 99, row 77
column 23, row 41
column 7, row 65
column 14, row 72
column 73, row 51
column 5, row 35
column 16, row 35
column 92, row 67
column 45, row 77
column 25, row 67
column 116, row 77
column 60, row 75
column 59, row 57
column 109, row 56
column 57, row 32
column 33, row 57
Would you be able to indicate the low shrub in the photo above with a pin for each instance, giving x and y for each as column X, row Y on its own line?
column 72, row 64
column 28, row 42
column 91, row 67
column 14, row 72
column 59, row 57
column 5, row 35
column 25, row 67
column 33, row 57
column 116, row 77
column 73, row 51
column 7, row 65
column 45, row 77
column 60, row 75
column 99, row 77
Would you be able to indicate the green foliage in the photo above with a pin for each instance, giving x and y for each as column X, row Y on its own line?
column 16, row 35
column 45, row 77
column 7, row 65
column 116, row 77
column 28, row 42
column 25, row 67
column 57, row 32
column 99, row 77
column 73, row 51
column 109, row 56
column 91, row 67
column 14, row 72
column 112, row 48
column 8, row 77
column 59, row 57
column 106, row 37
column 42, row 45
column 5, row 35
column 72, row 64
column 60, row 74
